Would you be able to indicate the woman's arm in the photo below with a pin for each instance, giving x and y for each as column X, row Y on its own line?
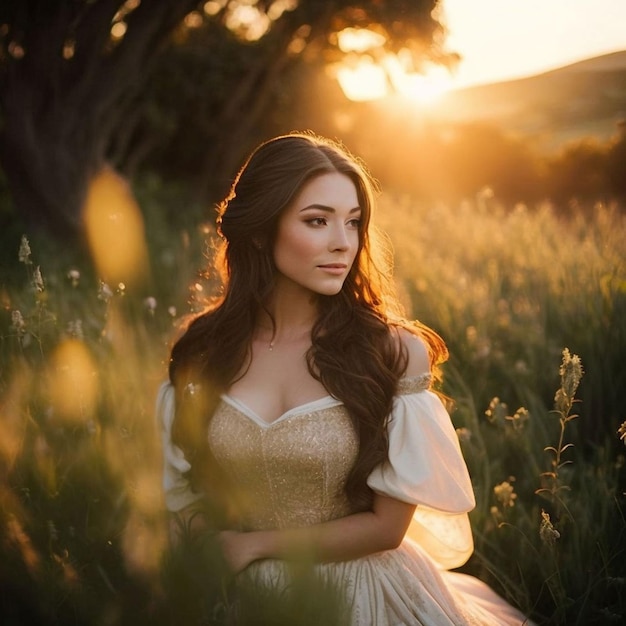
column 341, row 539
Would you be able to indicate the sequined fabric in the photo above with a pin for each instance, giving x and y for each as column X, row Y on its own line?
column 289, row 473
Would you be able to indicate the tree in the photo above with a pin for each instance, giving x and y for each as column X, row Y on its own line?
column 74, row 76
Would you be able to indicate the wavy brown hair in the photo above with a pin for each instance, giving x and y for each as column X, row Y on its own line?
column 355, row 352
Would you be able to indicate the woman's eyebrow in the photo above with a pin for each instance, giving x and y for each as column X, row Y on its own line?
column 327, row 209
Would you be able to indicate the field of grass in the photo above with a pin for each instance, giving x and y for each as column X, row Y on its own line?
column 82, row 533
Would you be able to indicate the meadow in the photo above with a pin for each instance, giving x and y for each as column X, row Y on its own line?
column 532, row 305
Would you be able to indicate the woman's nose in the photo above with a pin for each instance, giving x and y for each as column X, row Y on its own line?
column 339, row 239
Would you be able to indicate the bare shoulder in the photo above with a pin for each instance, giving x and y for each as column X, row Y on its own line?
column 417, row 352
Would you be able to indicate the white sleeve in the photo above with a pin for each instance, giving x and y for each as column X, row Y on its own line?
column 426, row 468
column 176, row 487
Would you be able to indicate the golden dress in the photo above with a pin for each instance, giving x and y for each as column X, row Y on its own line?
column 290, row 473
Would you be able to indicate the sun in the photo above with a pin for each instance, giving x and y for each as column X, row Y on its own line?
column 366, row 73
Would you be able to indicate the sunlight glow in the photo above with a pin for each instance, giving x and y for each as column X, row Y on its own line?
column 368, row 73
column 424, row 88
column 365, row 80
column 359, row 39
column 247, row 21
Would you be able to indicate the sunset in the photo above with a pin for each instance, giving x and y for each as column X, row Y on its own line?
column 495, row 41
column 312, row 313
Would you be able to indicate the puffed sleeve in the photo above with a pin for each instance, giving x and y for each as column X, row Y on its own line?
column 426, row 468
column 178, row 493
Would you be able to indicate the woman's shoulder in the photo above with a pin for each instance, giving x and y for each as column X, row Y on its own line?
column 416, row 350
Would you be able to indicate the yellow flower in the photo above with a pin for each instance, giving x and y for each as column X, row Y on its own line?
column 517, row 420
column 497, row 410
column 547, row 532
column 571, row 372
column 505, row 494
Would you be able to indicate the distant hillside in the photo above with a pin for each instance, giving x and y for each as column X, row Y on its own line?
column 587, row 98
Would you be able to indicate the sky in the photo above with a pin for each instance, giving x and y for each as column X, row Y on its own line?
column 506, row 39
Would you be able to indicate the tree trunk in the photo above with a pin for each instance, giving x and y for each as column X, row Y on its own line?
column 59, row 115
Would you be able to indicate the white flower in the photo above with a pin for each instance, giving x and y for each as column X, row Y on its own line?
column 151, row 304
column 74, row 276
column 24, row 254
column 38, row 280
column 17, row 322
column 104, row 292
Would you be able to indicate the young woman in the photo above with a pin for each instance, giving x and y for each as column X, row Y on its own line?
column 300, row 404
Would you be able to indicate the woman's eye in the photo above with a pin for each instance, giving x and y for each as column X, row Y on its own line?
column 317, row 221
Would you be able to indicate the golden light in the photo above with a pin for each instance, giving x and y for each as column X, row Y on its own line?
column 375, row 75
column 73, row 382
column 212, row 7
column 278, row 7
column 193, row 20
column 118, row 30
column 364, row 80
column 359, row 40
column 424, row 88
column 247, row 21
column 115, row 230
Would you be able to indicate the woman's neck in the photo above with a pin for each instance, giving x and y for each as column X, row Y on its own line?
column 291, row 314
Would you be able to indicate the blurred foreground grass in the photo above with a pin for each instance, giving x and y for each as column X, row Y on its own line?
column 82, row 533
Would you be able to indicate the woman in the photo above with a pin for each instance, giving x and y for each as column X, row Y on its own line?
column 299, row 404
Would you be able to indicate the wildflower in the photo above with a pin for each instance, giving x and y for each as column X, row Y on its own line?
column 621, row 431
column 505, row 494
column 497, row 410
column 547, row 532
column 24, row 253
column 104, row 292
column 464, row 434
column 121, row 288
column 571, row 372
column 74, row 276
column 151, row 304
column 17, row 322
column 495, row 514
column 519, row 418
column 38, row 280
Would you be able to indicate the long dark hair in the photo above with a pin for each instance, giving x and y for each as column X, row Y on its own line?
column 355, row 352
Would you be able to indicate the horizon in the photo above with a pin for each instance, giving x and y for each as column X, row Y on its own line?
column 507, row 41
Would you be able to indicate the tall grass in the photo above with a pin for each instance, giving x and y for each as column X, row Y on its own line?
column 82, row 529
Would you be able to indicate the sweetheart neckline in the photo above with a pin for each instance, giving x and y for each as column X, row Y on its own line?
column 325, row 402
column 302, row 409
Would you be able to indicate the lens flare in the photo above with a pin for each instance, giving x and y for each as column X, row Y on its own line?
column 115, row 230
column 73, row 382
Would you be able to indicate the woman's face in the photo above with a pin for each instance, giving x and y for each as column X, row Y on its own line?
column 317, row 238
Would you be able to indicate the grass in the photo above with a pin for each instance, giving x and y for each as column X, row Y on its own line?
column 82, row 530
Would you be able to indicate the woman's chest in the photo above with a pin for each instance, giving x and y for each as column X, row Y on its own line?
column 277, row 381
column 290, row 472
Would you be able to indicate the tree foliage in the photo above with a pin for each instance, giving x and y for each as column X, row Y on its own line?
column 83, row 82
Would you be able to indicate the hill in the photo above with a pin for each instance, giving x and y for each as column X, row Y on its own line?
column 587, row 98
